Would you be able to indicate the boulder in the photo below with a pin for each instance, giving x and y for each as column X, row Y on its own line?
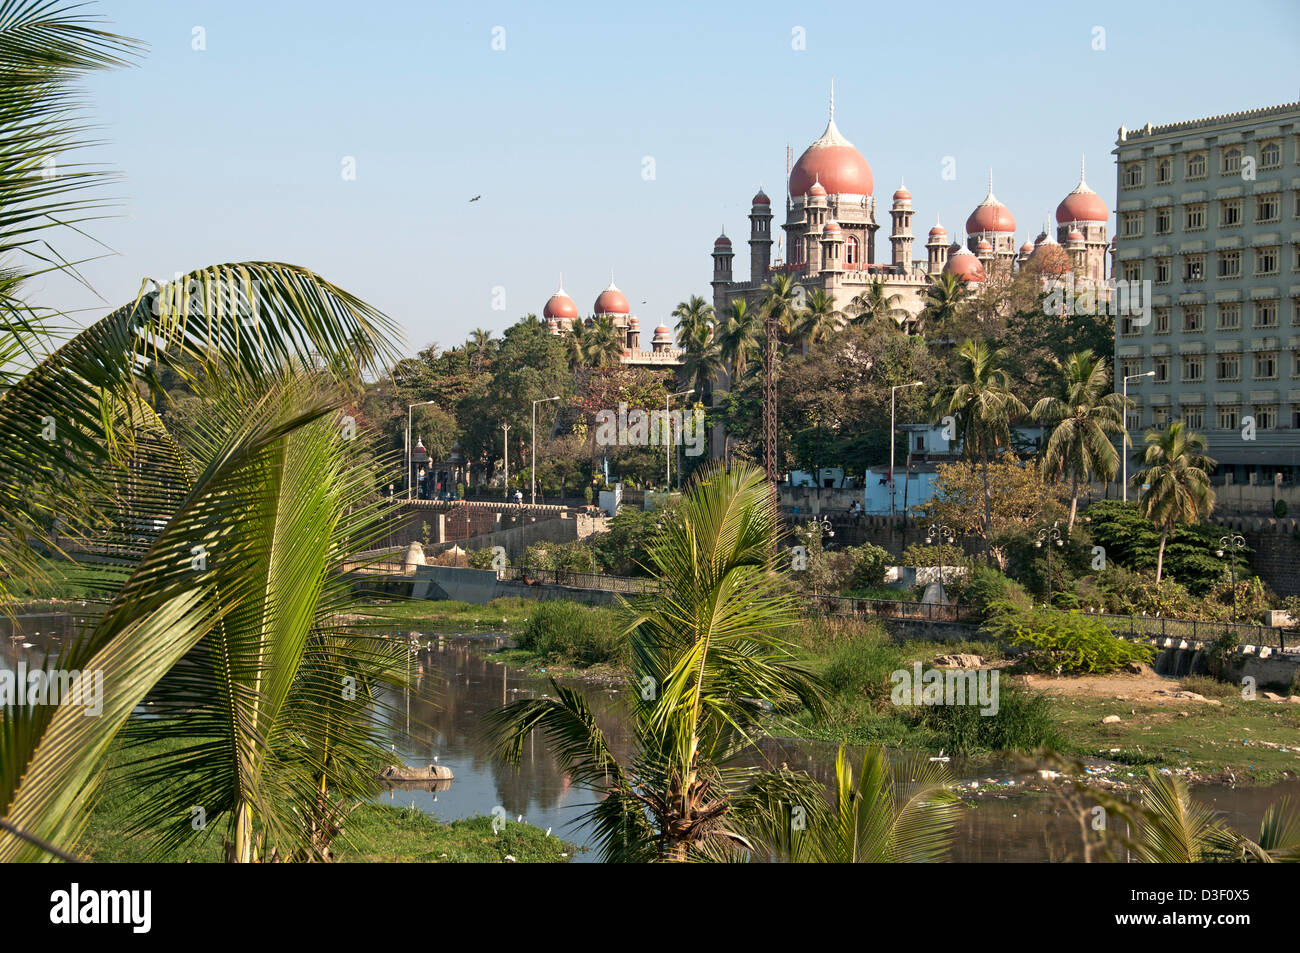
column 960, row 661
column 1110, row 720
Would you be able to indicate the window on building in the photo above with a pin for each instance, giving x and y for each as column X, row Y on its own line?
column 1229, row 316
column 1229, row 213
column 1270, row 155
column 1231, row 161
column 1129, row 366
column 1133, row 419
column 1164, row 172
column 1160, row 319
column 1265, row 365
column 1132, row 271
column 1196, row 165
column 1266, row 260
column 1162, row 271
column 1226, row 416
column 1193, row 417
column 1130, row 224
column 1266, row 313
column 851, row 251
column 1227, row 367
column 1295, row 363
column 1268, row 208
column 1265, row 416
column 1195, row 218
column 1132, row 175
column 1161, row 365
column 1295, row 312
column 1159, row 416
column 1193, row 367
column 1164, row 220
column 1296, row 249
column 1229, row 264
column 1193, row 268
column 1193, row 318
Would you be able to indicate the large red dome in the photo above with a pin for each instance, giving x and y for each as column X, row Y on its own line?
column 560, row 305
column 1082, row 205
column 964, row 266
column 990, row 215
column 611, row 301
column 835, row 163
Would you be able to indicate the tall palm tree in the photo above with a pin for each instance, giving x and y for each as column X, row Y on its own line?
column 781, row 300
column 739, row 337
column 710, row 641
column 480, row 346
column 692, row 315
column 575, row 345
column 702, row 359
column 83, row 450
column 983, row 406
column 876, row 304
column 887, row 814
column 1083, row 415
column 604, row 343
column 943, row 298
column 1177, row 480
column 818, row 320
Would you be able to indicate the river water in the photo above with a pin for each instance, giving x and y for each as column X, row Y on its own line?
column 455, row 683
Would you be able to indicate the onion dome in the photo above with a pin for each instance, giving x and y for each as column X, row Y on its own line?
column 964, row 266
column 1027, row 248
column 938, row 232
column 560, row 305
column 611, row 301
column 990, row 215
column 832, row 226
column 1082, row 205
column 634, row 322
column 983, row 246
column 1075, row 237
column 834, row 162
column 553, row 325
column 722, row 241
column 662, row 335
column 902, row 195
column 817, row 190
column 1051, row 259
column 761, row 198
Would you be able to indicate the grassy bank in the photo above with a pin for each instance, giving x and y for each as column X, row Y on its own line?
column 499, row 615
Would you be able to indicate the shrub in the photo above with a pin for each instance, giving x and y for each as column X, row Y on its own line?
column 921, row 554
column 586, row 494
column 1025, row 721
column 867, row 568
column 1126, row 592
column 460, row 491
column 482, row 559
column 987, row 586
column 863, row 667
column 573, row 633
column 1064, row 642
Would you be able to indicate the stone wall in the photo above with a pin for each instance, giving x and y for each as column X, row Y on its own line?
column 1275, row 546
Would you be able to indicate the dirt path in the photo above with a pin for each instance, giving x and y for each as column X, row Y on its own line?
column 1146, row 687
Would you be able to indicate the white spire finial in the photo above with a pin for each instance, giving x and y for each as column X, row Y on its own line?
column 1083, row 159
column 990, row 180
column 832, row 99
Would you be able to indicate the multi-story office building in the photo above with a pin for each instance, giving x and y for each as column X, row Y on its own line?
column 1209, row 213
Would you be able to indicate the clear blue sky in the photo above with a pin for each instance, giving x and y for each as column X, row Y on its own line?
column 235, row 152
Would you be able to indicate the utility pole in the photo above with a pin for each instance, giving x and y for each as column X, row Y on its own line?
column 769, row 396
column 505, row 448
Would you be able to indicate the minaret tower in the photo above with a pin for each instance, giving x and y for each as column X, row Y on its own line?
column 937, row 247
column 901, row 235
column 760, row 237
column 722, row 256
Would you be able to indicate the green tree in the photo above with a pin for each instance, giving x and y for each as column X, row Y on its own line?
column 693, row 316
column 1177, row 480
column 709, row 641
column 1083, row 416
column 818, row 320
column 943, row 300
column 877, row 305
column 738, row 339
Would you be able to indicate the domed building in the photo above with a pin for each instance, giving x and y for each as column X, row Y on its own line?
column 828, row 239
column 561, row 312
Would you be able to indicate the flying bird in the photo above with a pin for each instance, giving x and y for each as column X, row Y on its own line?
column 476, row 198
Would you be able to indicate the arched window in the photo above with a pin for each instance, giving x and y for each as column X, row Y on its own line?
column 1232, row 161
column 851, row 251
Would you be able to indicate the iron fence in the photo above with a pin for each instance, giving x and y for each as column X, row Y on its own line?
column 603, row 582
column 1194, row 630
column 887, row 609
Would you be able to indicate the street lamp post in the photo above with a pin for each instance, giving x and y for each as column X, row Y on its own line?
column 668, row 459
column 892, row 392
column 409, row 408
column 1046, row 537
column 943, row 534
column 533, row 489
column 1232, row 543
column 1124, row 478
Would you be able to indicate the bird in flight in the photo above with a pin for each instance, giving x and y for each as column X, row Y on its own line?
column 476, row 198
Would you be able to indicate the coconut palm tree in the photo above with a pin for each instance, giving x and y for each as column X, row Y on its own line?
column 739, row 337
column 1177, row 481
column 84, row 453
column 604, row 344
column 480, row 346
column 943, row 298
column 1083, row 415
column 818, row 320
column 887, row 814
column 983, row 406
column 692, row 315
column 575, row 345
column 876, row 304
column 782, row 298
column 703, row 647
column 702, row 359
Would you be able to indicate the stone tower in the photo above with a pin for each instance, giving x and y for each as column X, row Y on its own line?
column 900, row 236
column 760, row 237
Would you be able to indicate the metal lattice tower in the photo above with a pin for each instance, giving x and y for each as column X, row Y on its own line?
column 769, row 397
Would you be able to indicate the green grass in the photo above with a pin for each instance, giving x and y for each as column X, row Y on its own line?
column 500, row 614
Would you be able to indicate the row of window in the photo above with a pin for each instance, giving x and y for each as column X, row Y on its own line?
column 1233, row 160
column 1267, row 260
column 1195, row 215
column 1226, row 417
column 1227, row 317
column 1227, row 366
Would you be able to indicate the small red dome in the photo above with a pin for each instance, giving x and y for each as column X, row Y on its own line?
column 964, row 266
column 634, row 322
column 938, row 231
column 761, row 198
column 1027, row 248
column 817, row 188
column 902, row 195
column 611, row 301
column 560, row 305
column 1075, row 237
column 983, row 245
column 722, row 240
column 832, row 226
